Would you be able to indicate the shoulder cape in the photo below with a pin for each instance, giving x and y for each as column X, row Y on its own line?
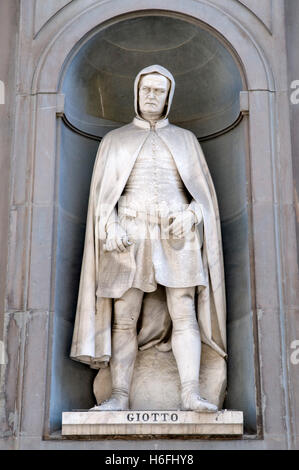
column 115, row 159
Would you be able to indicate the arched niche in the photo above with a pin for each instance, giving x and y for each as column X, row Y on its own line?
column 97, row 83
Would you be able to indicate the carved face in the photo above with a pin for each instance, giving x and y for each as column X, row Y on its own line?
column 153, row 93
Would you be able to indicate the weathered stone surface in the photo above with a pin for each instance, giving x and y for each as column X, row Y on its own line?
column 17, row 256
column 263, row 10
column 21, row 165
column 260, row 146
column 45, row 150
column 8, row 34
column 264, row 236
column 9, row 398
column 34, row 374
column 41, row 258
column 94, row 423
column 45, row 10
column 272, row 385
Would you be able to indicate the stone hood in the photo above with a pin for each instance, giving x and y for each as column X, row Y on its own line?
column 162, row 71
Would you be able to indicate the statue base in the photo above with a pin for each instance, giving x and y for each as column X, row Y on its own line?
column 149, row 423
column 156, row 384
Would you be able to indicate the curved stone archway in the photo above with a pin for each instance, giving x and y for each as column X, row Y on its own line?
column 80, row 29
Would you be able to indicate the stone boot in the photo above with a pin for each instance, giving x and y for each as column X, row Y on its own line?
column 118, row 401
column 192, row 401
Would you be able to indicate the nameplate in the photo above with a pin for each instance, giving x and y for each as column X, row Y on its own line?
column 151, row 422
column 152, row 417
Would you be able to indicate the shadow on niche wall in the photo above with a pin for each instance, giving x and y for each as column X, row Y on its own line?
column 71, row 382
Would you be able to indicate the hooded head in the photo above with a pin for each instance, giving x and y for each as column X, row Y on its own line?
column 154, row 69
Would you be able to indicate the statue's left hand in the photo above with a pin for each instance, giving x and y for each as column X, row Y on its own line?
column 182, row 224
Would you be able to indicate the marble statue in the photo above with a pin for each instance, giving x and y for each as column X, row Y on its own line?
column 152, row 225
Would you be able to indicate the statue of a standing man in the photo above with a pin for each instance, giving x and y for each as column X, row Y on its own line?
column 152, row 221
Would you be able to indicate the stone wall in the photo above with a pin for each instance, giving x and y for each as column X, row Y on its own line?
column 48, row 34
column 292, row 34
column 9, row 19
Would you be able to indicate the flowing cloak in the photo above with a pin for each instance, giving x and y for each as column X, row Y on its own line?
column 115, row 159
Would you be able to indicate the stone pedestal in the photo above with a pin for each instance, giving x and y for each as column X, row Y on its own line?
column 146, row 423
column 156, row 383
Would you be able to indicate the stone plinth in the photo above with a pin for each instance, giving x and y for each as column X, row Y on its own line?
column 99, row 423
column 156, row 384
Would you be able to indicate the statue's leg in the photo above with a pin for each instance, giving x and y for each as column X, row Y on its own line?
column 124, row 349
column 186, row 346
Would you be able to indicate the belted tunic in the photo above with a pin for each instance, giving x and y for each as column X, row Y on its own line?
column 124, row 154
column 154, row 194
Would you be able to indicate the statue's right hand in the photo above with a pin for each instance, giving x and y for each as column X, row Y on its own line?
column 117, row 239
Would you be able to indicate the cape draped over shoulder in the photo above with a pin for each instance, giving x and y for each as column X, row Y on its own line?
column 115, row 159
